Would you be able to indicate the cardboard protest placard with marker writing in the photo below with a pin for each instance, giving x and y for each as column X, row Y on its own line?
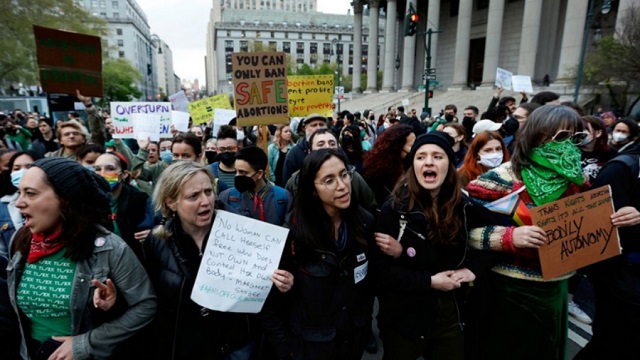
column 237, row 264
column 309, row 94
column 203, row 110
column 123, row 113
column 579, row 232
column 260, row 88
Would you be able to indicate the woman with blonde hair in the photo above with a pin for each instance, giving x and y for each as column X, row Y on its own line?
column 278, row 152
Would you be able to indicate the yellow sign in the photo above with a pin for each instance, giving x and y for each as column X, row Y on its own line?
column 310, row 94
column 202, row 111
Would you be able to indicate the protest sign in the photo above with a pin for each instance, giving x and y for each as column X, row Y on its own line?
column 69, row 61
column 522, row 83
column 237, row 264
column 405, row 102
column 310, row 94
column 180, row 120
column 202, row 111
column 179, row 101
column 122, row 112
column 223, row 116
column 579, row 232
column 146, row 126
column 260, row 88
column 503, row 78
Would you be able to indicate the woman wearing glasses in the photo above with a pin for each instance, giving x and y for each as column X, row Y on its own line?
column 527, row 316
column 422, row 230
column 326, row 314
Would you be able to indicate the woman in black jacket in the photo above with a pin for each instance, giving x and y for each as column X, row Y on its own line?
column 423, row 230
column 326, row 315
column 173, row 253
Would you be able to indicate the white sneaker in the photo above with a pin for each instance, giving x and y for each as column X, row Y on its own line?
column 576, row 312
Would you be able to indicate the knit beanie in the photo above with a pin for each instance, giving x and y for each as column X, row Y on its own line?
column 439, row 138
column 74, row 183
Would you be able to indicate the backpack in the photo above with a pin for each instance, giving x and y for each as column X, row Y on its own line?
column 279, row 193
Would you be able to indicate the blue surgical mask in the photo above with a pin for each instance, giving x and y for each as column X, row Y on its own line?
column 16, row 176
column 89, row 167
column 166, row 156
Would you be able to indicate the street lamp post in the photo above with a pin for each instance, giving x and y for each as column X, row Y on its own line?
column 606, row 8
column 338, row 71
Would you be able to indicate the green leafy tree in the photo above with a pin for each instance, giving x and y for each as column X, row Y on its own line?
column 119, row 78
column 616, row 61
column 18, row 63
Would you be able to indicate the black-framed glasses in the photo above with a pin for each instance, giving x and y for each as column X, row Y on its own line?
column 331, row 183
column 575, row 138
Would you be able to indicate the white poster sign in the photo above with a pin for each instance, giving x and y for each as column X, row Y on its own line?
column 122, row 114
column 146, row 126
column 503, row 78
column 180, row 120
column 179, row 101
column 237, row 264
column 522, row 83
column 221, row 117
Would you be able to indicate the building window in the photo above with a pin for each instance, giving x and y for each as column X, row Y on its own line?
column 114, row 4
column 339, row 36
column 94, row 3
column 327, row 59
column 313, row 48
column 273, row 46
column 314, row 58
column 326, row 36
column 228, row 33
column 118, row 31
column 244, row 45
column 116, row 15
column 286, row 47
column 243, row 34
column 228, row 46
column 273, row 35
column 103, row 3
column 286, row 35
column 121, row 53
column 120, row 43
column 326, row 48
column 350, row 49
column 300, row 36
column 313, row 36
column 300, row 58
column 300, row 48
column 258, row 34
column 103, row 14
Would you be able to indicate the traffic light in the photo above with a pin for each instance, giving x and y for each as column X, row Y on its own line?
column 430, row 94
column 411, row 23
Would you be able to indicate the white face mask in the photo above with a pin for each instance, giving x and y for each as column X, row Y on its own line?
column 491, row 160
column 618, row 136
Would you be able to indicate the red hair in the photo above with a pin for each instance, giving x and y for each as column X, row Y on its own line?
column 384, row 160
column 471, row 168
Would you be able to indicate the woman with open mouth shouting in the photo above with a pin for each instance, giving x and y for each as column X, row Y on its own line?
column 422, row 229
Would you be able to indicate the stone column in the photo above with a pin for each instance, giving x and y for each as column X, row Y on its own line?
column 572, row 36
column 357, row 47
column 408, row 56
column 492, row 45
column 372, row 62
column 434, row 23
column 529, row 37
column 623, row 8
column 463, row 36
column 390, row 46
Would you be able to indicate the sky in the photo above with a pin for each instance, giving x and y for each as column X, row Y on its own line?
column 183, row 26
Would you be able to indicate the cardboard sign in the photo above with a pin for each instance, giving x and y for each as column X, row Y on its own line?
column 122, row 114
column 310, row 94
column 69, row 61
column 237, row 264
column 260, row 88
column 522, row 83
column 203, row 111
column 223, row 116
column 180, row 120
column 579, row 232
column 179, row 101
column 503, row 78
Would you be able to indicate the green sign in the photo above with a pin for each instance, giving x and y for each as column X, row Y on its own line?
column 421, row 87
column 434, row 83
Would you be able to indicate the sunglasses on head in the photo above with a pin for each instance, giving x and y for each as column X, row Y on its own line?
column 575, row 138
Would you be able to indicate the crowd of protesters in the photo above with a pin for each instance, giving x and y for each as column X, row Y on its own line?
column 102, row 238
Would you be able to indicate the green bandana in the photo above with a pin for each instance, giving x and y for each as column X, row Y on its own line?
column 553, row 167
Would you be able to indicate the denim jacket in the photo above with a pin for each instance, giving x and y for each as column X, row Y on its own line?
column 113, row 259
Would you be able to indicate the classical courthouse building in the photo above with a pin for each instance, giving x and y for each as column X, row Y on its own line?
column 537, row 38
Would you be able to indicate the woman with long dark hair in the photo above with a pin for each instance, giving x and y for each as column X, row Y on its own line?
column 422, row 229
column 326, row 314
column 384, row 163
column 351, row 144
column 527, row 315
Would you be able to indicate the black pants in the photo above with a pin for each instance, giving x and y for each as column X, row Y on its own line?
column 616, row 326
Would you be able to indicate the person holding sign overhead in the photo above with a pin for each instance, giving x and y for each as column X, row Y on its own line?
column 326, row 315
column 173, row 252
column 527, row 316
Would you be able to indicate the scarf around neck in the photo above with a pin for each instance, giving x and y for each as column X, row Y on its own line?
column 554, row 166
column 43, row 245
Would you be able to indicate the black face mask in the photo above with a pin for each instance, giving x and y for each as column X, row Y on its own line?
column 244, row 183
column 466, row 119
column 227, row 158
column 448, row 117
column 212, row 156
column 372, row 117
